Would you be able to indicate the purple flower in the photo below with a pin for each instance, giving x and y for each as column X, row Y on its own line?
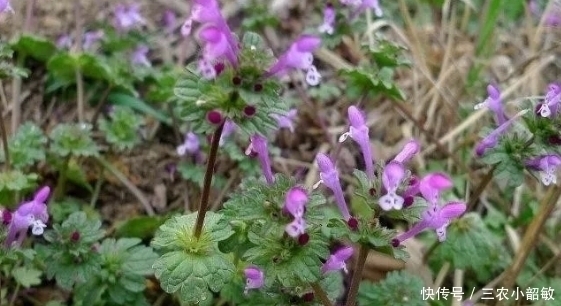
column 295, row 204
column 336, row 261
column 490, row 141
column 299, row 56
column 255, row 278
column 393, row 175
column 139, row 56
column 286, row 121
column 190, row 145
column 203, row 12
column 29, row 214
column 64, row 42
column 92, row 37
column 127, row 17
column 229, row 128
column 371, row 4
column 330, row 178
column 216, row 46
column 550, row 104
column 494, row 103
column 169, row 19
column 409, row 150
column 5, row 7
column 358, row 131
column 547, row 166
column 328, row 25
column 437, row 218
column 432, row 185
column 258, row 145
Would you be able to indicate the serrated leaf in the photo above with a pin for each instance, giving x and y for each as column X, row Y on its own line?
column 126, row 100
column 27, row 276
column 36, row 47
column 73, row 139
column 398, row 288
column 191, row 276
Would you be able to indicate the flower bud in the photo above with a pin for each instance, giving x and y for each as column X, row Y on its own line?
column 214, row 117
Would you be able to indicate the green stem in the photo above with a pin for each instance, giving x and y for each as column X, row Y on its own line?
column 3, row 132
column 61, row 183
column 357, row 275
column 14, row 295
column 431, row 249
column 97, row 189
column 203, row 204
column 78, row 72
column 321, row 295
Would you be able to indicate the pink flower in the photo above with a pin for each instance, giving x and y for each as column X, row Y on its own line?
column 29, row 214
column 328, row 25
column 139, row 56
column 258, row 145
column 393, row 175
column 547, row 166
column 494, row 103
column 358, row 131
column 330, row 178
column 490, row 141
column 411, row 148
column 299, row 56
column 336, row 261
column 437, row 218
column 295, row 204
column 128, row 17
column 550, row 104
column 5, row 7
column 432, row 185
column 190, row 145
column 255, row 278
column 286, row 121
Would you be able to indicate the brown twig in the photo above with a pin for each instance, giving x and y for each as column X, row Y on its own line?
column 203, row 203
column 3, row 132
column 357, row 275
column 320, row 293
column 529, row 240
column 481, row 187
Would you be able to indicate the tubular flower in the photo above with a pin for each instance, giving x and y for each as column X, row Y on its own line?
column 5, row 7
column 29, row 214
column 295, row 204
column 336, row 261
column 286, row 121
column 127, row 17
column 139, row 56
column 393, row 175
column 258, row 145
column 494, row 103
column 490, row 141
column 330, row 178
column 190, row 145
column 255, row 278
column 432, row 185
column 328, row 25
column 437, row 218
column 358, row 131
column 547, row 166
column 92, row 37
column 409, row 150
column 551, row 102
column 169, row 19
column 229, row 128
column 299, row 56
column 215, row 35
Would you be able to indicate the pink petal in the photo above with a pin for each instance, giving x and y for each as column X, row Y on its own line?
column 453, row 210
column 392, row 176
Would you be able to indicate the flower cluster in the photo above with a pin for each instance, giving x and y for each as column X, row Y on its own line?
column 127, row 17
column 545, row 163
column 356, row 7
column 6, row 7
column 395, row 193
column 32, row 214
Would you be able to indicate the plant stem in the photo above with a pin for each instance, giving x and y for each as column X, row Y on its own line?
column 14, row 295
column 320, row 293
column 481, row 187
column 203, row 203
column 431, row 249
column 3, row 132
column 357, row 275
column 78, row 46
column 529, row 240
column 61, row 182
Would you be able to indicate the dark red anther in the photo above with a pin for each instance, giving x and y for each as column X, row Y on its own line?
column 6, row 217
column 408, row 201
column 395, row 243
column 75, row 236
column 308, row 297
column 236, row 80
column 219, row 67
column 258, row 87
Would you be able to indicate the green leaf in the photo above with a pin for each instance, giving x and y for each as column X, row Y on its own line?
column 126, row 100
column 27, row 276
column 63, row 66
column 191, row 276
column 38, row 48
column 73, row 140
column 122, row 128
column 27, row 146
column 140, row 227
column 398, row 288
column 470, row 245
